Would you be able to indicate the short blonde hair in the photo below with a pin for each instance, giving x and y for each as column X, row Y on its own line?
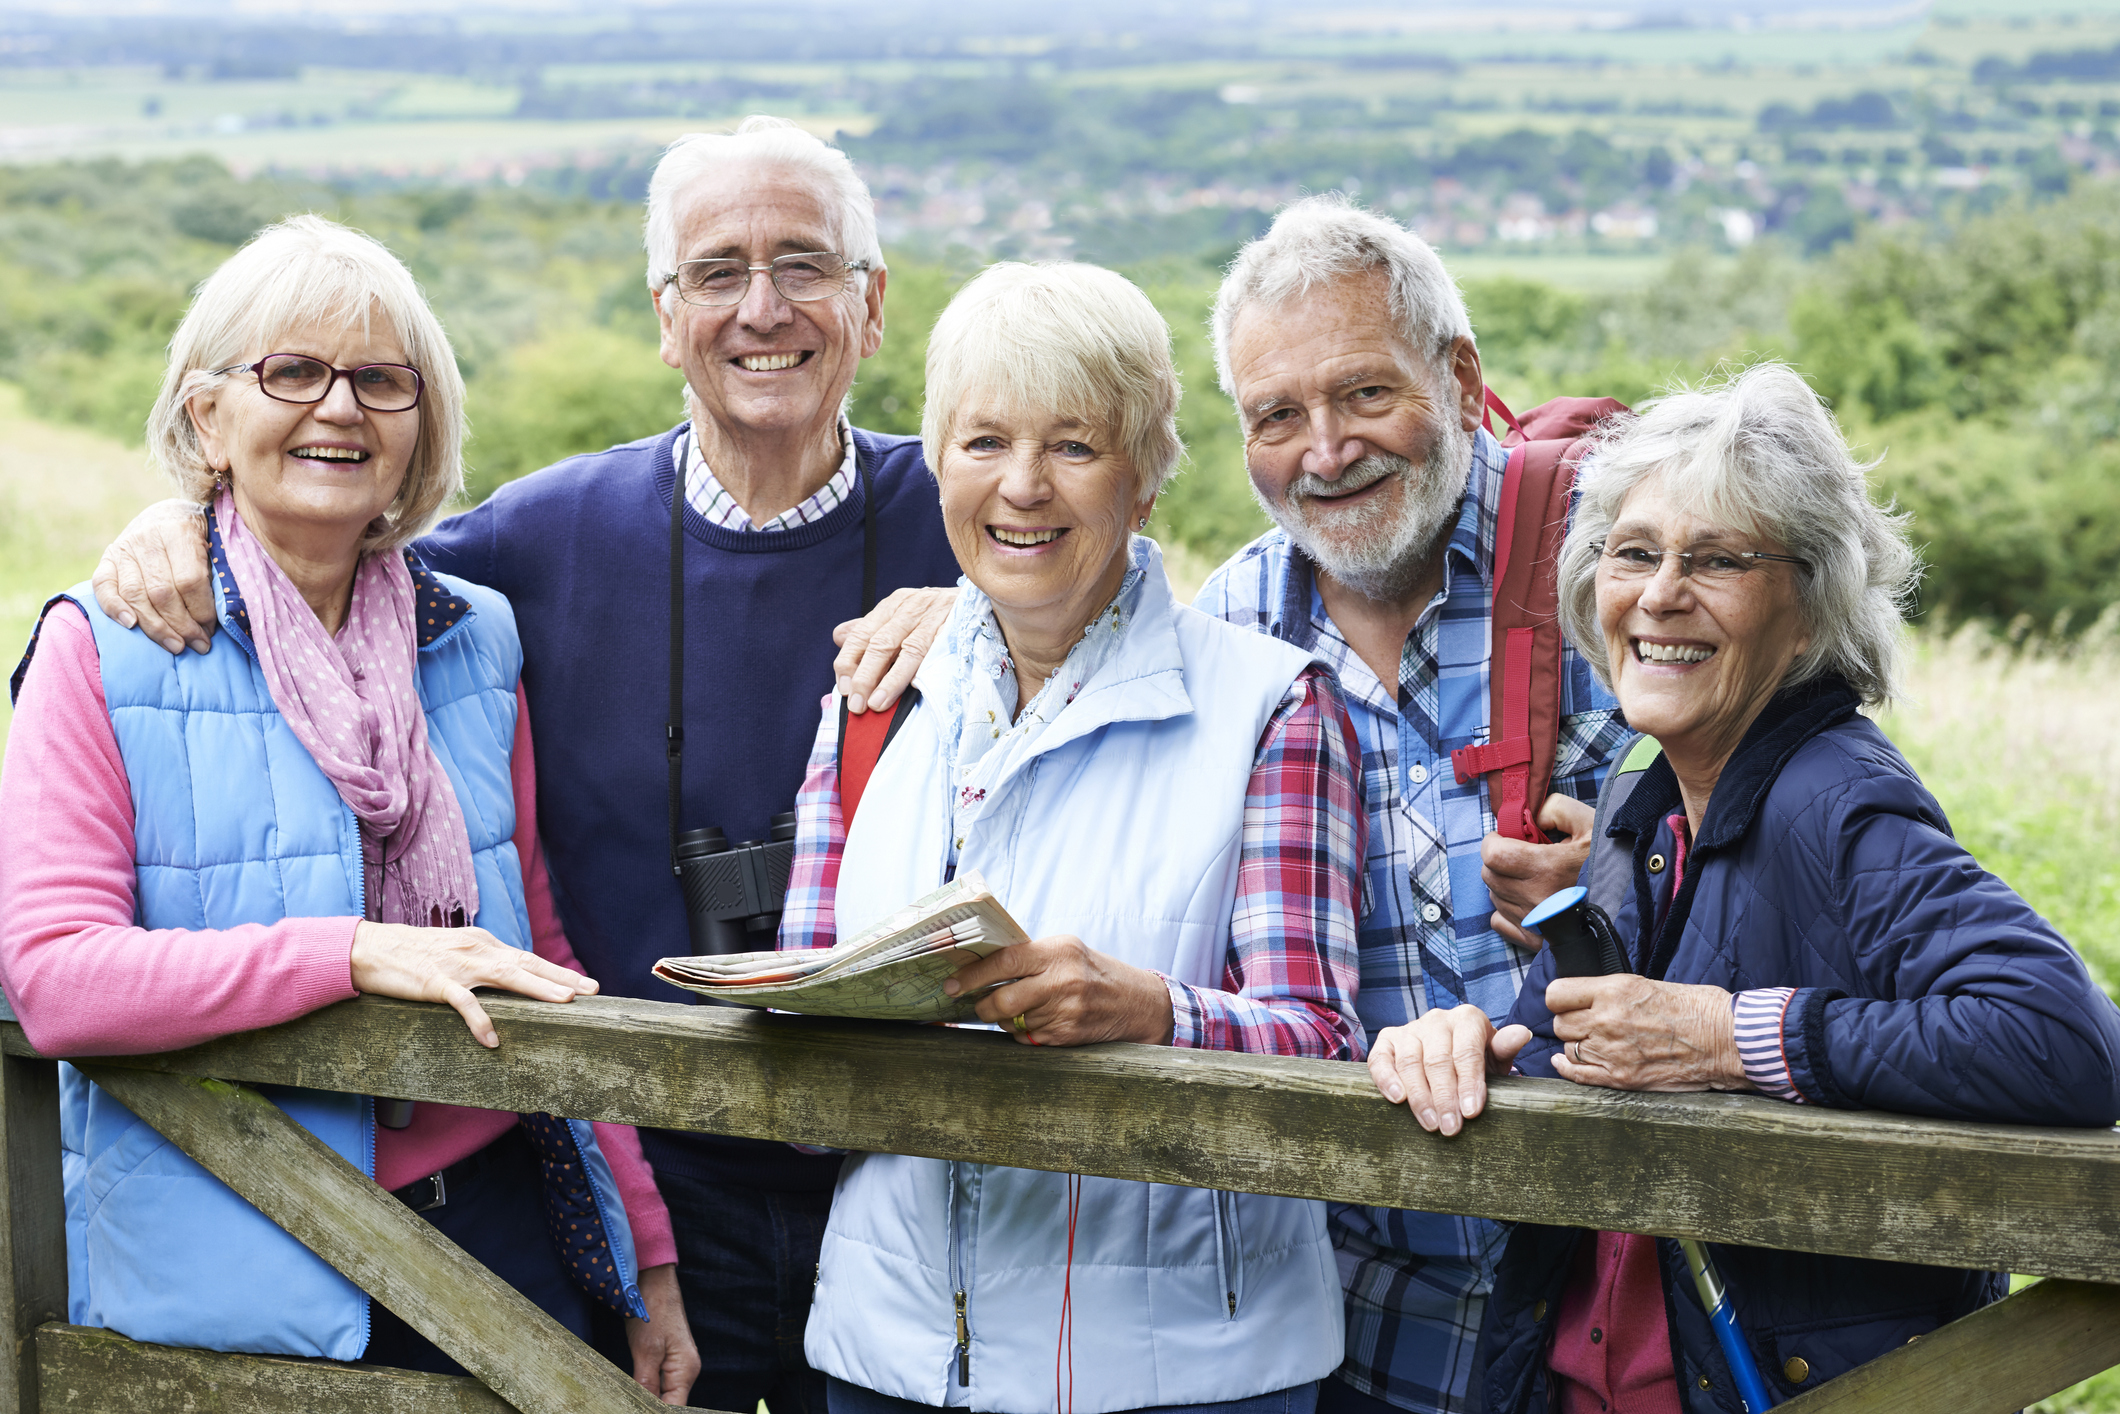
column 1077, row 339
column 307, row 272
column 1758, row 451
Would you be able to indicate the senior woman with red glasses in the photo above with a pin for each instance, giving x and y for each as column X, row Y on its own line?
column 1797, row 919
column 339, row 801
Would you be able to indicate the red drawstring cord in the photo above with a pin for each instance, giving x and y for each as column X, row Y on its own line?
column 1064, row 1351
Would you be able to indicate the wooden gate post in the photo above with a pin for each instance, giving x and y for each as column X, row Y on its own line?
column 33, row 1232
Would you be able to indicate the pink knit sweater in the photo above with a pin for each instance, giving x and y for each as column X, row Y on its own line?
column 86, row 981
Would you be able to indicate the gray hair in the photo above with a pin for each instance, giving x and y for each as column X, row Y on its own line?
column 850, row 209
column 1758, row 451
column 303, row 273
column 1324, row 238
column 1076, row 339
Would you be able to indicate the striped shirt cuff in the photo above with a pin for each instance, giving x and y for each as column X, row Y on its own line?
column 1758, row 1014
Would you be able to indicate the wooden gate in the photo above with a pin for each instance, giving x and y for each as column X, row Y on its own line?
column 2041, row 1202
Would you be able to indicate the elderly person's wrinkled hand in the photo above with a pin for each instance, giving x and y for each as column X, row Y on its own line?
column 1438, row 1065
column 1062, row 992
column 665, row 1357
column 880, row 652
column 1630, row 1033
column 154, row 577
column 444, row 964
column 1520, row 875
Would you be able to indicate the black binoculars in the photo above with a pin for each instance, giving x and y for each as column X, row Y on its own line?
column 734, row 893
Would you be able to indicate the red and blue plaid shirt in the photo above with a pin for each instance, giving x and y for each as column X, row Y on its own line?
column 1289, row 981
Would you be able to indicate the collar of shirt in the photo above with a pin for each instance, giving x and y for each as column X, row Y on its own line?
column 717, row 507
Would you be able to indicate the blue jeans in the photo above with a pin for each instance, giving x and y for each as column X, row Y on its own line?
column 497, row 1214
column 1298, row 1399
column 747, row 1264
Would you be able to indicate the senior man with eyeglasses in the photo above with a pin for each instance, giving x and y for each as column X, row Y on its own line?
column 769, row 282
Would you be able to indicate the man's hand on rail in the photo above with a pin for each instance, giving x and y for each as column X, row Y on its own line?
column 665, row 1361
column 1063, row 992
column 1438, row 1066
column 879, row 654
column 1630, row 1033
column 1520, row 876
column 444, row 964
column 154, row 575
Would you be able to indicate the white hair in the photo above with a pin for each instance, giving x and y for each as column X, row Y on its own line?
column 1076, row 340
column 311, row 273
column 1758, row 452
column 849, row 208
column 1324, row 238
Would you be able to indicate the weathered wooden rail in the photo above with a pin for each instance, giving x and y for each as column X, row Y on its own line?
column 1732, row 1169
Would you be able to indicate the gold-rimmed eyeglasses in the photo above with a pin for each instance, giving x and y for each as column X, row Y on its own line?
column 1705, row 564
column 801, row 278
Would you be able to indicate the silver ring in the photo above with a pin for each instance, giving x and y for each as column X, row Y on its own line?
column 1575, row 1057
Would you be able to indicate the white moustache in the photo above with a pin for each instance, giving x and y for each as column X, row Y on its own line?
column 1359, row 476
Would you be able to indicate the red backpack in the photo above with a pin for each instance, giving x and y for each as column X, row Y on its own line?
column 1524, row 674
column 1524, row 667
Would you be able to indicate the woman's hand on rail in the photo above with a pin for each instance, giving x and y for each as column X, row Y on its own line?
column 879, row 653
column 154, row 575
column 1438, row 1066
column 444, row 964
column 1066, row 993
column 1629, row 1033
column 665, row 1361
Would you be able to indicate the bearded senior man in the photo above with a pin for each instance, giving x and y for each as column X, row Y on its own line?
column 768, row 281
column 1347, row 350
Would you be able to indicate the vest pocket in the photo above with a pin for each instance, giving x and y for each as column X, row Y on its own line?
column 1229, row 1253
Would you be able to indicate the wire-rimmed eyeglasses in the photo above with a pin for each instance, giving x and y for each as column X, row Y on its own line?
column 298, row 378
column 801, row 278
column 1706, row 564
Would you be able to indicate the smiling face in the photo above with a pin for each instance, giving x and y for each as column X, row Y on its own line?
column 312, row 476
column 1038, row 508
column 1693, row 664
column 1355, row 445
column 768, row 366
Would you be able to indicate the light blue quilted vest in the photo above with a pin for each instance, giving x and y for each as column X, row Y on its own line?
column 234, row 823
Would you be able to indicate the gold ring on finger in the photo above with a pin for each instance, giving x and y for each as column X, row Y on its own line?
column 1023, row 1026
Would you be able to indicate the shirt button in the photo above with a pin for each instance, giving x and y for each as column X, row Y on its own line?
column 1656, row 864
column 1430, row 913
column 1417, row 773
column 1596, row 1335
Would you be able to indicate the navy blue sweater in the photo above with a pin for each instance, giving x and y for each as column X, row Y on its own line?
column 582, row 551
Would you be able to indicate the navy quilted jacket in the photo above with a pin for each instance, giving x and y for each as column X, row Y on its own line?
column 1927, row 987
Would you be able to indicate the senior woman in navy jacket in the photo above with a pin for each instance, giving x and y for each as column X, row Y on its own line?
column 1799, row 920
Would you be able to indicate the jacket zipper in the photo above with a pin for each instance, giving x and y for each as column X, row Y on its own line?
column 964, row 1344
column 961, row 1297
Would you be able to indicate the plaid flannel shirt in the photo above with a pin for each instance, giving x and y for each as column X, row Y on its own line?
column 1417, row 1282
column 1288, row 985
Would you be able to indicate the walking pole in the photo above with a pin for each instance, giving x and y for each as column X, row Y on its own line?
column 1736, row 1353
column 1585, row 945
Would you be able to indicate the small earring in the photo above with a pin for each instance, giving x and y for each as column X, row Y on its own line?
column 1144, row 523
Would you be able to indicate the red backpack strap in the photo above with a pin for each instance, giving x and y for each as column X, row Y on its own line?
column 862, row 739
column 1524, row 671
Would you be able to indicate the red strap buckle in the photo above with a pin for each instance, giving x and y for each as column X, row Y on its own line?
column 1472, row 762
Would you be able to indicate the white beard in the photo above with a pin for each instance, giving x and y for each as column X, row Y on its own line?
column 1379, row 550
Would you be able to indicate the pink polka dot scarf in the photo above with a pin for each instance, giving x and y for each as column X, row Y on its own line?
column 352, row 703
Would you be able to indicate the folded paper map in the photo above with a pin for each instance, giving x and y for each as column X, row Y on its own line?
column 893, row 971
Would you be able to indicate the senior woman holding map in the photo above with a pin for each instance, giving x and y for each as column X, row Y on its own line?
column 1168, row 806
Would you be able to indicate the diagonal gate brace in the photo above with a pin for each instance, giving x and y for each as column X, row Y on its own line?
column 288, row 1174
